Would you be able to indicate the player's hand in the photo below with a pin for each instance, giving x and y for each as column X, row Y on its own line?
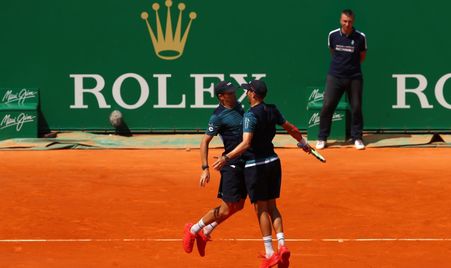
column 303, row 144
column 218, row 164
column 204, row 177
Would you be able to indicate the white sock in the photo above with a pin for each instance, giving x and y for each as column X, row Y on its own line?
column 197, row 227
column 267, row 240
column 209, row 228
column 280, row 239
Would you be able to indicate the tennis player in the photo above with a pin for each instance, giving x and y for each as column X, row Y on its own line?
column 262, row 172
column 227, row 121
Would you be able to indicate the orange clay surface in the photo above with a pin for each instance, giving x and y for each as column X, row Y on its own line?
column 124, row 201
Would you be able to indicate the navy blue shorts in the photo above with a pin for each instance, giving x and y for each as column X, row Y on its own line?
column 232, row 187
column 263, row 181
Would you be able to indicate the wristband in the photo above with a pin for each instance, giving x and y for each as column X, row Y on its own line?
column 302, row 143
column 226, row 158
column 204, row 167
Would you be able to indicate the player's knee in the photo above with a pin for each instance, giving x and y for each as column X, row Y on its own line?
column 224, row 212
column 272, row 207
column 260, row 207
column 275, row 213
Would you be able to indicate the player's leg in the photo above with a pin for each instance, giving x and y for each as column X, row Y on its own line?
column 220, row 214
column 264, row 221
column 202, row 229
column 276, row 219
column 217, row 215
column 263, row 211
column 260, row 186
column 232, row 191
column 355, row 92
column 332, row 95
column 275, row 172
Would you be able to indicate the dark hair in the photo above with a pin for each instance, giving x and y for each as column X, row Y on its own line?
column 348, row 13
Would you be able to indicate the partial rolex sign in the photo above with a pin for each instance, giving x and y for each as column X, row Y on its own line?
column 199, row 87
column 402, row 90
column 167, row 44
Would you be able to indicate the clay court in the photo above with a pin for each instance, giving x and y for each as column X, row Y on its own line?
column 127, row 208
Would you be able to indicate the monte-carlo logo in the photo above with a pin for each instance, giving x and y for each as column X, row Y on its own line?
column 167, row 44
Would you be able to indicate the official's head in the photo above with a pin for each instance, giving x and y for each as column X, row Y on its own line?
column 225, row 92
column 347, row 21
column 255, row 90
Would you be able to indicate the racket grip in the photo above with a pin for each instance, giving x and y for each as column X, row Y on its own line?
column 302, row 144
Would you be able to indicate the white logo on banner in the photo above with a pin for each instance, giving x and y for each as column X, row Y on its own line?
column 314, row 120
column 20, row 98
column 316, row 96
column 19, row 121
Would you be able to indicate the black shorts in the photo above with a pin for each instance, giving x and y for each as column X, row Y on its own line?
column 231, row 187
column 263, row 181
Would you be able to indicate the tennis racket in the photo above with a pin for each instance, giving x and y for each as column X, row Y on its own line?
column 313, row 152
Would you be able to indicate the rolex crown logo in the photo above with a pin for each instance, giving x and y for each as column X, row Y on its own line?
column 168, row 46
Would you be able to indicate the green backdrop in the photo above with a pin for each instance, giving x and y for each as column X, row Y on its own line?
column 48, row 44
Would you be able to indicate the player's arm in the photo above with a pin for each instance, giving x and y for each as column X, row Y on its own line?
column 242, row 147
column 204, row 144
column 239, row 150
column 330, row 44
column 249, row 124
column 296, row 134
column 204, row 149
column 362, row 56
column 293, row 131
column 363, row 49
column 214, row 125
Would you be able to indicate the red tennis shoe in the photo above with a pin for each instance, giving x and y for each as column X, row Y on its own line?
column 201, row 241
column 270, row 262
column 188, row 238
column 284, row 255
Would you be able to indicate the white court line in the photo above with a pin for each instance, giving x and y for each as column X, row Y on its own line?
column 337, row 240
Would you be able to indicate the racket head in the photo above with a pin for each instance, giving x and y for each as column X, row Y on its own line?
column 317, row 155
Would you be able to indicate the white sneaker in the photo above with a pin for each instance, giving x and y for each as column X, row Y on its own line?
column 320, row 144
column 358, row 144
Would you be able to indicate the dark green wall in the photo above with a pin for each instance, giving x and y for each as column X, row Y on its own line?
column 44, row 42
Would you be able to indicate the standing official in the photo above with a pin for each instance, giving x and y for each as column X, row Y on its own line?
column 348, row 49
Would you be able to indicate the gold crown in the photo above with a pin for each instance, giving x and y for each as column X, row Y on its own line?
column 169, row 46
